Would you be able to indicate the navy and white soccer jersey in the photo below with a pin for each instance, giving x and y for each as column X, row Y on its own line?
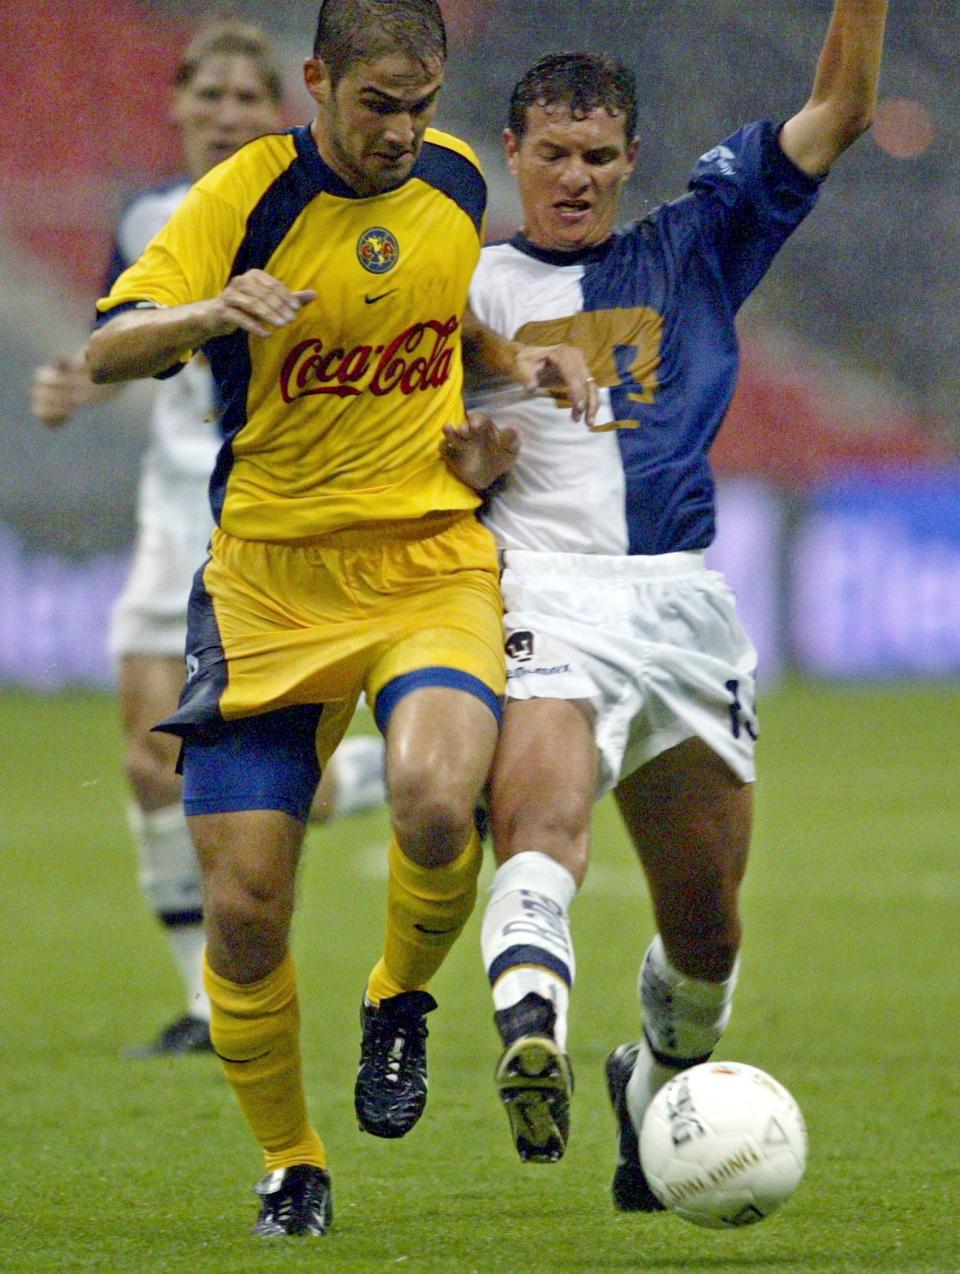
column 606, row 595
column 184, row 435
column 173, row 508
column 653, row 309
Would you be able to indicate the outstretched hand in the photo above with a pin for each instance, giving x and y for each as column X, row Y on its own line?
column 477, row 452
column 257, row 303
column 59, row 388
column 566, row 366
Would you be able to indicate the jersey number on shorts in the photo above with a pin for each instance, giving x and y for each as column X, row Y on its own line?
column 739, row 719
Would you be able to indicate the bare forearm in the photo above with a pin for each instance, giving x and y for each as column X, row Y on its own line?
column 488, row 358
column 142, row 343
column 842, row 102
column 849, row 63
column 491, row 360
column 101, row 392
column 88, row 393
column 145, row 342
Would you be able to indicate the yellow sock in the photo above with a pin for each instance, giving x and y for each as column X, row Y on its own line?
column 427, row 908
column 255, row 1029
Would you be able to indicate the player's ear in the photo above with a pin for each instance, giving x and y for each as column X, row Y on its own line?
column 632, row 151
column 316, row 76
column 511, row 148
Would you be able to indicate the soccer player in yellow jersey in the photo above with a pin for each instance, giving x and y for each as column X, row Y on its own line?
column 324, row 272
column 228, row 89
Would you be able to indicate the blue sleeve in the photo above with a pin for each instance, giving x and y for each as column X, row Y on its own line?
column 115, row 267
column 747, row 198
column 119, row 258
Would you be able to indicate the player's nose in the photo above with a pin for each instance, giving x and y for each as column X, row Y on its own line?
column 574, row 176
column 400, row 131
column 229, row 112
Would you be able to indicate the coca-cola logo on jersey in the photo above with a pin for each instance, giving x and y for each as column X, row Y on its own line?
column 419, row 358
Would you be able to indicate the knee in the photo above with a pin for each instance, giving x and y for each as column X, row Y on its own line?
column 562, row 835
column 240, row 900
column 432, row 816
column 247, row 922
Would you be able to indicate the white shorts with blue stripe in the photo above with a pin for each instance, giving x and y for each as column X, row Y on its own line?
column 652, row 643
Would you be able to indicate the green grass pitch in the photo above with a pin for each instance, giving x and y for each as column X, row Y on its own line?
column 849, row 995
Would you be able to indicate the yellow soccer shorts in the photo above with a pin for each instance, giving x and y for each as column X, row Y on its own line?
column 282, row 638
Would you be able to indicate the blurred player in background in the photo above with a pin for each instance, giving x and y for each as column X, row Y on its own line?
column 627, row 666
column 325, row 273
column 228, row 89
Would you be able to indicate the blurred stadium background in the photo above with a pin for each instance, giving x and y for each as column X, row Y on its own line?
column 840, row 464
column 839, row 473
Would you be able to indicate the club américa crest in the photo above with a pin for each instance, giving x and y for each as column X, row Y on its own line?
column 377, row 250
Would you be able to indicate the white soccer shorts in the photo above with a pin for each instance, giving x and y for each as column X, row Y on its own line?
column 653, row 643
column 150, row 616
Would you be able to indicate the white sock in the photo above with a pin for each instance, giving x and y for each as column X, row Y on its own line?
column 360, row 775
column 683, row 1019
column 525, row 939
column 173, row 886
column 187, row 943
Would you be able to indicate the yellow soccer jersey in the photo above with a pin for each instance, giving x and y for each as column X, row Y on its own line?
column 337, row 419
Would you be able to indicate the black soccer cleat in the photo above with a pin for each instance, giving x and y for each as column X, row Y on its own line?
column 295, row 1200
column 391, row 1088
column 534, row 1080
column 631, row 1193
column 186, row 1035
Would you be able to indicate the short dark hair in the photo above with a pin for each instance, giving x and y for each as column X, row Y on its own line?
column 583, row 82
column 232, row 38
column 351, row 31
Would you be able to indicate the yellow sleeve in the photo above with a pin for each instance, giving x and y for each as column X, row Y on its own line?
column 188, row 260
column 456, row 144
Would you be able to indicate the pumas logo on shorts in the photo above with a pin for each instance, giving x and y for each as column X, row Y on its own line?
column 519, row 645
column 377, row 250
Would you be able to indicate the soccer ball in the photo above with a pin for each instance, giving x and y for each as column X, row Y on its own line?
column 723, row 1145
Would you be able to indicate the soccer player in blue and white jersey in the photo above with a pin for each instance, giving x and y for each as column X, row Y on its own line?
column 628, row 669
column 228, row 89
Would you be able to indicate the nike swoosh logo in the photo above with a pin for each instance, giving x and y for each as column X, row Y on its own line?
column 372, row 300
column 424, row 929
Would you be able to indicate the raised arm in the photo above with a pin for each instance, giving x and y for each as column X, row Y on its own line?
column 844, row 95
column 144, row 342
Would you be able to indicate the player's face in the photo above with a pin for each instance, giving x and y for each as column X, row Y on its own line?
column 370, row 127
column 570, row 173
column 224, row 106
